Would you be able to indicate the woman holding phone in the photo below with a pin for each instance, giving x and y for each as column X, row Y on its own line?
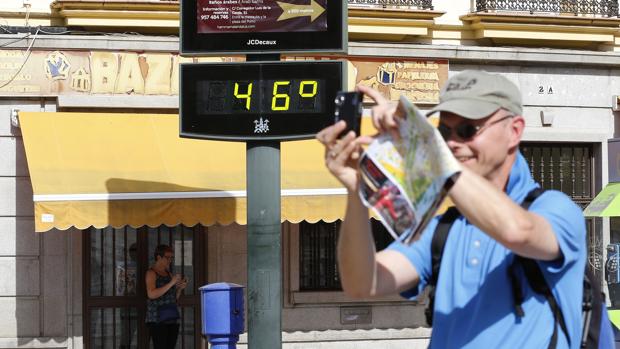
column 163, row 290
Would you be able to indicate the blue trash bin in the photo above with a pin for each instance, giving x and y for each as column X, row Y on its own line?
column 222, row 309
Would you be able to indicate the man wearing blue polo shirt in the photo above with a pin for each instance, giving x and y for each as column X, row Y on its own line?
column 482, row 123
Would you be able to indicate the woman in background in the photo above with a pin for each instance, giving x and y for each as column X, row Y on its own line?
column 163, row 290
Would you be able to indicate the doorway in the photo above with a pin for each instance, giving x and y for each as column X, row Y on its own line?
column 114, row 294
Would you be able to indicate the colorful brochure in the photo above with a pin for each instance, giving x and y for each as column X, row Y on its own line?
column 404, row 181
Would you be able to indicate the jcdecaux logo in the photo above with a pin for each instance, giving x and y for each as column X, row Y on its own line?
column 261, row 42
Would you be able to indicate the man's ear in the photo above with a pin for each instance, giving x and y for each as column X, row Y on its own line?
column 517, row 127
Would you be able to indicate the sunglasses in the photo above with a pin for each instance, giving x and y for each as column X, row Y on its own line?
column 467, row 131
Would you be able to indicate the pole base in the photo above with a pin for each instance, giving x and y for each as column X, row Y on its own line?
column 223, row 341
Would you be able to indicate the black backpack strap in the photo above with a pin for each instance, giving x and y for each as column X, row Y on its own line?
column 537, row 282
column 539, row 285
column 437, row 245
column 516, row 286
column 531, row 196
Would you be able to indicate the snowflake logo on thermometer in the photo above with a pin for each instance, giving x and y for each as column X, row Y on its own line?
column 261, row 126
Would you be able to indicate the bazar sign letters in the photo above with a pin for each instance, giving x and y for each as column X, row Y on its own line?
column 56, row 73
column 132, row 73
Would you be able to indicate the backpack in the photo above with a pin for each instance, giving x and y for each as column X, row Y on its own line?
column 597, row 332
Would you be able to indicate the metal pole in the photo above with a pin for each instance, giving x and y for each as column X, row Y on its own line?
column 264, row 245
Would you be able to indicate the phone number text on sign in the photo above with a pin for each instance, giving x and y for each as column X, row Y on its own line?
column 222, row 16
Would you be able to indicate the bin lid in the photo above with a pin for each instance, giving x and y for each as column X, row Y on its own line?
column 220, row 286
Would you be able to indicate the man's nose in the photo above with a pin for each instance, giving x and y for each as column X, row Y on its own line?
column 454, row 143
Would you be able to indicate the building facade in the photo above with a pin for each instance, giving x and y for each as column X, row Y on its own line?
column 72, row 71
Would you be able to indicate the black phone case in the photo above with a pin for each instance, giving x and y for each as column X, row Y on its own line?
column 349, row 108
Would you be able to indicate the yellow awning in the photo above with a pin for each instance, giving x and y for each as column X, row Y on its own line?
column 606, row 203
column 95, row 169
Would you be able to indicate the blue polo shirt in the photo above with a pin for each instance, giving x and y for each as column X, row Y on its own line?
column 474, row 306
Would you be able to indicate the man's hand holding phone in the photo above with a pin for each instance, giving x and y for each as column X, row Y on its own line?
column 343, row 148
column 348, row 107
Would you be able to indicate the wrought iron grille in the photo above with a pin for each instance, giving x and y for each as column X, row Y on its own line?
column 564, row 167
column 569, row 168
column 607, row 8
column 318, row 270
column 114, row 327
column 418, row 4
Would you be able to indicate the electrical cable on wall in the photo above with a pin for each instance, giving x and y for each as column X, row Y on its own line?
column 28, row 51
column 5, row 26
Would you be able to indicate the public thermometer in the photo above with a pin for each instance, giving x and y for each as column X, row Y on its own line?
column 258, row 100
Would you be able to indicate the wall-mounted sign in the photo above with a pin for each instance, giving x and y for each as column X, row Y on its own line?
column 216, row 27
column 417, row 79
column 258, row 100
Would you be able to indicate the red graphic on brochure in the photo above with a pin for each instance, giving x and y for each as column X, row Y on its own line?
column 405, row 180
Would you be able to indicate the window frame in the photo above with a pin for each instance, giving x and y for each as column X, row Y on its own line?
column 294, row 296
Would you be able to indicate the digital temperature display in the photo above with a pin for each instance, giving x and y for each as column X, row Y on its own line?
column 261, row 96
column 258, row 100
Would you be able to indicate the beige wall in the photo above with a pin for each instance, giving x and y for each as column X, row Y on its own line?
column 33, row 267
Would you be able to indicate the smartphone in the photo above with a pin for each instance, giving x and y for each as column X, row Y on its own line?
column 349, row 108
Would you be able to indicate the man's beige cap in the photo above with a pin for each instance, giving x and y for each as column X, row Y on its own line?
column 475, row 94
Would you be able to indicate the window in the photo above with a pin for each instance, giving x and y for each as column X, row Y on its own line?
column 569, row 168
column 115, row 264
column 564, row 167
column 317, row 254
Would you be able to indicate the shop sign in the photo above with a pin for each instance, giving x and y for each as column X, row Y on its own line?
column 54, row 73
column 418, row 80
